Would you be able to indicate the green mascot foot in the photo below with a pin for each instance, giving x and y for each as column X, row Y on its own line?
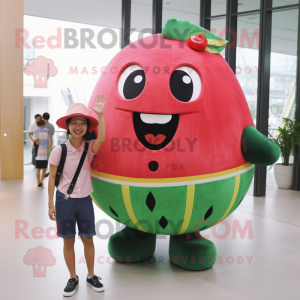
column 191, row 252
column 131, row 245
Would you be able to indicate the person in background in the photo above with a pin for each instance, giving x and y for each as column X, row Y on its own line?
column 50, row 127
column 32, row 128
column 42, row 139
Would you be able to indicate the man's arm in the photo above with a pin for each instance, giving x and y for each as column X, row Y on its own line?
column 31, row 136
column 51, row 186
column 48, row 141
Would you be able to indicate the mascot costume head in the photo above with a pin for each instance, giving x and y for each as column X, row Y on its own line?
column 180, row 145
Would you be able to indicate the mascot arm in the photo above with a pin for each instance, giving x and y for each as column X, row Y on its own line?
column 258, row 149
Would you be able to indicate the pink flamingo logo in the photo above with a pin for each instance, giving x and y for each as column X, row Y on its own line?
column 41, row 68
column 39, row 258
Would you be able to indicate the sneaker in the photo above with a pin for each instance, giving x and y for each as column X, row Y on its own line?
column 47, row 174
column 71, row 287
column 40, row 185
column 95, row 284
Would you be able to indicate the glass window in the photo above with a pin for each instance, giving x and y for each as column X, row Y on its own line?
column 283, row 72
column 284, row 2
column 218, row 7
column 247, row 59
column 218, row 27
column 141, row 19
column 137, row 35
column 245, row 5
column 181, row 10
column 28, row 53
column 141, row 15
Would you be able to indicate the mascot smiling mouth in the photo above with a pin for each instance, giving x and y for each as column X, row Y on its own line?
column 155, row 131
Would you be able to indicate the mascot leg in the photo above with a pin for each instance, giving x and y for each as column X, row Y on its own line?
column 131, row 245
column 192, row 252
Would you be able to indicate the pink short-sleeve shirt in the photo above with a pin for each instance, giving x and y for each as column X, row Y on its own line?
column 83, row 187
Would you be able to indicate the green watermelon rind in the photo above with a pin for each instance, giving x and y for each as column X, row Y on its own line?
column 170, row 203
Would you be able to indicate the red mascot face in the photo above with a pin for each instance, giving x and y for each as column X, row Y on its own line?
column 171, row 112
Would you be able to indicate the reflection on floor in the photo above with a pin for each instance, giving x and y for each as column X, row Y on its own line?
column 263, row 266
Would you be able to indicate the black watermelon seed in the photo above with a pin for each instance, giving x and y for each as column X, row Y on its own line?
column 208, row 213
column 163, row 222
column 114, row 212
column 150, row 201
column 153, row 166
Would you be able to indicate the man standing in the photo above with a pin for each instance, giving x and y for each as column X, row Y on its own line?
column 50, row 127
column 32, row 128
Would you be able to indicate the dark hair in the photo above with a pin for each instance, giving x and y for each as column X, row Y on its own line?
column 40, row 123
column 37, row 115
column 87, row 134
column 46, row 116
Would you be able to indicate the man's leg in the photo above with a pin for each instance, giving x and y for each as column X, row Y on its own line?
column 89, row 253
column 69, row 255
column 38, row 176
column 48, row 155
column 43, row 174
column 33, row 155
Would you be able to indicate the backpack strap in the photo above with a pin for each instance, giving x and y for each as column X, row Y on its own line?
column 61, row 163
column 72, row 185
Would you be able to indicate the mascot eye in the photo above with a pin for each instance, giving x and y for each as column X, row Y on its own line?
column 132, row 82
column 185, row 84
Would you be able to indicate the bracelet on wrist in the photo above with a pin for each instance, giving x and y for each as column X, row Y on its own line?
column 50, row 205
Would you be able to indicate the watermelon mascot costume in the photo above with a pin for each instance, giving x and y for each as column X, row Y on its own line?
column 180, row 146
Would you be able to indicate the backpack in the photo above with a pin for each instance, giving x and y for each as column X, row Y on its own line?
column 61, row 167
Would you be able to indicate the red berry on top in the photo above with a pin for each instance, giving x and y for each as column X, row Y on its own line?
column 197, row 42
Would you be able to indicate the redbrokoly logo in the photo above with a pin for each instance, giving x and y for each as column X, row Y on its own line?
column 39, row 258
column 41, row 69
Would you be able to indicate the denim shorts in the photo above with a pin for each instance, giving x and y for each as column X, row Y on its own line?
column 72, row 211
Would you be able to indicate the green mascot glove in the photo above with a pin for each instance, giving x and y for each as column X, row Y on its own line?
column 258, row 149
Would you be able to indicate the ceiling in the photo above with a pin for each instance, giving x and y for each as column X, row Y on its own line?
column 108, row 14
column 94, row 12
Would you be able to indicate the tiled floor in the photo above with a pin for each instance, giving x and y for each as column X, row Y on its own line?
column 265, row 266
